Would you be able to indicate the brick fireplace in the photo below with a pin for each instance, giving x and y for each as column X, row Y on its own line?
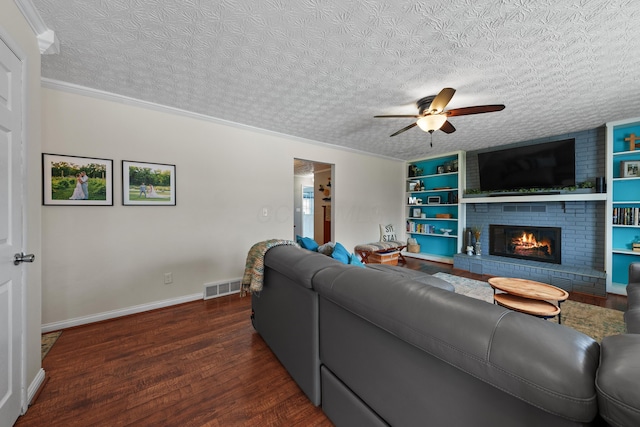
column 582, row 259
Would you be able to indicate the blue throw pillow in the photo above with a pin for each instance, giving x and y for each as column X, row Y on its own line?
column 308, row 243
column 353, row 260
column 340, row 253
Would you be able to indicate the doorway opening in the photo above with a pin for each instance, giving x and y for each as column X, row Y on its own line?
column 312, row 191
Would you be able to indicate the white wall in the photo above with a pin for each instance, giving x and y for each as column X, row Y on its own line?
column 99, row 259
column 14, row 26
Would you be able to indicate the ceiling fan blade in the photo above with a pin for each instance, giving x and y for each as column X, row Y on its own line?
column 404, row 129
column 396, row 116
column 442, row 99
column 474, row 110
column 447, row 127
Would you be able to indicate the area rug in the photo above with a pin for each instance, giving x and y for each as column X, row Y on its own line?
column 597, row 322
column 47, row 341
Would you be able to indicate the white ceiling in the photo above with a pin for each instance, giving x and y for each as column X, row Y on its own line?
column 321, row 69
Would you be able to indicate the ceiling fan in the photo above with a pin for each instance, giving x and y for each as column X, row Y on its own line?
column 432, row 116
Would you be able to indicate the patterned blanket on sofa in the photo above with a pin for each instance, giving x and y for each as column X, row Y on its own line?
column 254, row 267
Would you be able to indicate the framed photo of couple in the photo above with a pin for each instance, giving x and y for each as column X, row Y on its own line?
column 148, row 184
column 74, row 180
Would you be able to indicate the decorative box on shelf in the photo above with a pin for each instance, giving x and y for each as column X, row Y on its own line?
column 390, row 258
column 414, row 249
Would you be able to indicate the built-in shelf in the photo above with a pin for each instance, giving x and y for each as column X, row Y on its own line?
column 537, row 198
column 432, row 218
column 431, row 190
column 625, row 251
column 625, row 194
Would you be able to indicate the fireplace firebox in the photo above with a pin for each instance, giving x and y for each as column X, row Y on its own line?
column 526, row 242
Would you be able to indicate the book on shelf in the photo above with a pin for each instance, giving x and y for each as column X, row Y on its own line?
column 417, row 227
column 626, row 216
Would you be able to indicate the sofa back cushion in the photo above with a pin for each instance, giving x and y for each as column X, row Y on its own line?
column 542, row 363
column 299, row 265
column 632, row 315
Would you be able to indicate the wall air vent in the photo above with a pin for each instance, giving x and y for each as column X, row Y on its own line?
column 214, row 290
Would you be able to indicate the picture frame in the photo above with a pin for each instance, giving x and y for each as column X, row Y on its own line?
column 148, row 184
column 76, row 181
column 417, row 212
column 630, row 169
column 433, row 200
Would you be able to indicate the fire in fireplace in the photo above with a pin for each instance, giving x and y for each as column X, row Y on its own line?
column 526, row 242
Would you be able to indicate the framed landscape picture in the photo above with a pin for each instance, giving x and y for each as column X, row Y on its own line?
column 76, row 181
column 148, row 184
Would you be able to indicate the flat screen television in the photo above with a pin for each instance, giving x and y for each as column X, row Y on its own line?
column 541, row 166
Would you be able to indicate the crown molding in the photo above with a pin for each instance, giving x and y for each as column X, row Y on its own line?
column 47, row 40
column 113, row 97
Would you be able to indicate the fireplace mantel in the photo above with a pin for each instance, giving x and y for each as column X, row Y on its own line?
column 566, row 197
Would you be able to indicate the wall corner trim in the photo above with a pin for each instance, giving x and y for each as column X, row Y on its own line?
column 35, row 385
column 47, row 40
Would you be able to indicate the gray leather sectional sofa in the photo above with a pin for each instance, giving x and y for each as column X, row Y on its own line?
column 376, row 348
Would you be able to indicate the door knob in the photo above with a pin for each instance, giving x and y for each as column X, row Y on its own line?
column 22, row 257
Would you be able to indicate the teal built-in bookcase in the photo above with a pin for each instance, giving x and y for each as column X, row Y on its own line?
column 433, row 188
column 623, row 203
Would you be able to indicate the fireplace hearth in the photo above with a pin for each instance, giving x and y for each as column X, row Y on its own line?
column 526, row 242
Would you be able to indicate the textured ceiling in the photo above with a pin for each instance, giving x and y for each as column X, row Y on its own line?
column 321, row 69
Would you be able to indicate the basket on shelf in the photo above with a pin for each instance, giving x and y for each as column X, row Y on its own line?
column 414, row 249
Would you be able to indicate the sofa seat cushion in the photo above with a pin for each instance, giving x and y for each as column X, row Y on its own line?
column 618, row 380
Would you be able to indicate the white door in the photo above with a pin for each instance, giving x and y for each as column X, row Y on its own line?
column 308, row 209
column 11, row 276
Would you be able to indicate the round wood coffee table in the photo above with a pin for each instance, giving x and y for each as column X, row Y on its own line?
column 528, row 296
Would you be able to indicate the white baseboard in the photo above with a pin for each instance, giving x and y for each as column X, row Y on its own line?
column 55, row 326
column 33, row 388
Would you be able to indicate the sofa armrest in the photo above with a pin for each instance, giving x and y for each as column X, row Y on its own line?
column 618, row 378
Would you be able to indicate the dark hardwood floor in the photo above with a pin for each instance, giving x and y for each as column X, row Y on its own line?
column 195, row 364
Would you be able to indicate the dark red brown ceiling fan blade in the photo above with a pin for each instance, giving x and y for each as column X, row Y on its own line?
column 404, row 129
column 397, row 116
column 442, row 99
column 447, row 127
column 474, row 110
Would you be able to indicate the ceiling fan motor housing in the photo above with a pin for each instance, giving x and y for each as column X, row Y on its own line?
column 424, row 104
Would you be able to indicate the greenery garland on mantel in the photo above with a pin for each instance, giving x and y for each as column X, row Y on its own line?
column 533, row 191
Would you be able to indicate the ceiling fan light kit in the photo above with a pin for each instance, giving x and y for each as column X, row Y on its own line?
column 431, row 122
column 432, row 116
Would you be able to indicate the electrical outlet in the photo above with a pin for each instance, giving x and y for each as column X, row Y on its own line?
column 168, row 278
